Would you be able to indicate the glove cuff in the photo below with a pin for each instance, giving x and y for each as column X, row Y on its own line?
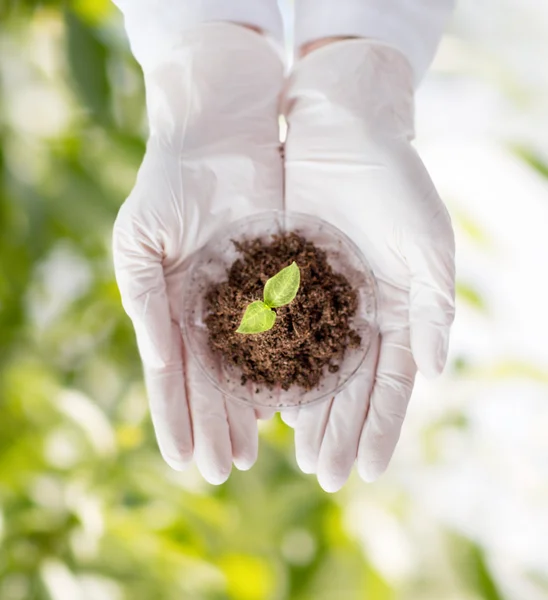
column 155, row 28
column 221, row 84
column 414, row 28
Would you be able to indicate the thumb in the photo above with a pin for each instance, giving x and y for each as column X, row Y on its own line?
column 432, row 300
column 140, row 277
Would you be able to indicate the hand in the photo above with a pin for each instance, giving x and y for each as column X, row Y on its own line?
column 349, row 160
column 213, row 156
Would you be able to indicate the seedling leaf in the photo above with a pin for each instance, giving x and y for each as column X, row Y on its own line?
column 257, row 318
column 283, row 287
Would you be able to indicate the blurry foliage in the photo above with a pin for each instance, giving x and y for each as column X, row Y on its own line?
column 86, row 501
column 87, row 505
column 473, row 567
column 532, row 158
column 468, row 226
column 88, row 60
column 468, row 294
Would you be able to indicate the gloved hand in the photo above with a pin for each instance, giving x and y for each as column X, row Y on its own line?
column 213, row 156
column 349, row 160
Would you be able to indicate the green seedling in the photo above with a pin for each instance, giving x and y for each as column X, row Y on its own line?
column 278, row 291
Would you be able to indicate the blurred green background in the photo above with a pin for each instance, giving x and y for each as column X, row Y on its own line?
column 89, row 511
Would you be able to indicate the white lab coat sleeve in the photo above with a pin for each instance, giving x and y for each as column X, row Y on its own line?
column 414, row 27
column 154, row 27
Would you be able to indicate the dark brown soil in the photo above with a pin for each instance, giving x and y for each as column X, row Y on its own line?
column 310, row 333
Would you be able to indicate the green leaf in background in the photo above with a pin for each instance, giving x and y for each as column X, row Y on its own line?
column 533, row 159
column 283, row 287
column 469, row 225
column 93, row 11
column 476, row 570
column 471, row 296
column 258, row 317
column 88, row 57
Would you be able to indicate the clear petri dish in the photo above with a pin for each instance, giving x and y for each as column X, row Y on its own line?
column 209, row 266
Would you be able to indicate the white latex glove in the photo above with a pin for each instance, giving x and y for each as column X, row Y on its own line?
column 414, row 27
column 349, row 160
column 213, row 156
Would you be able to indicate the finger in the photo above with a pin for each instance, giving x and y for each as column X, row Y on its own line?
column 392, row 389
column 244, row 434
column 339, row 447
column 169, row 411
column 289, row 417
column 212, row 443
column 309, row 432
column 140, row 278
column 265, row 402
column 264, row 413
column 432, row 301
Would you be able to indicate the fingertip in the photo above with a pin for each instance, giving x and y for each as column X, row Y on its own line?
column 376, row 449
column 306, row 463
column 335, row 464
column 330, row 482
column 244, row 463
column 378, row 443
column 343, row 432
column 212, row 453
column 178, row 464
column 244, row 435
column 371, row 471
column 429, row 344
column 309, row 433
column 429, row 369
column 246, row 457
column 217, row 476
column 441, row 352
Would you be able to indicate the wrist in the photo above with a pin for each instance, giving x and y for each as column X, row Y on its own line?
column 195, row 92
column 358, row 81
